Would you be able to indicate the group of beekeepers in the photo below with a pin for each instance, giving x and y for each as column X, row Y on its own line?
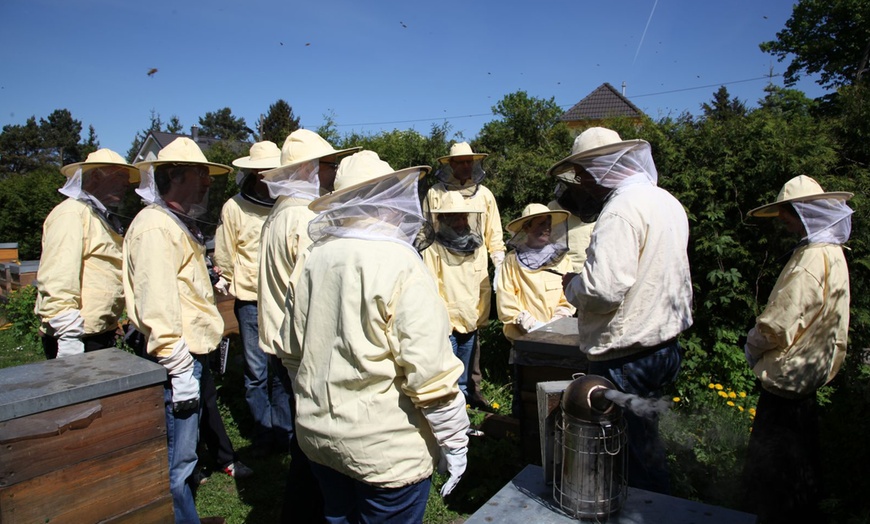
column 359, row 303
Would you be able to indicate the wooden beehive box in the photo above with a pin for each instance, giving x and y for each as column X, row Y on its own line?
column 548, row 354
column 83, row 439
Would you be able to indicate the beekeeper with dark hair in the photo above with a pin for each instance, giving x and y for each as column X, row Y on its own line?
column 377, row 400
column 79, row 291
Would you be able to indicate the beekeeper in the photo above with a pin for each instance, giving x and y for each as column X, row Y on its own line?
column 461, row 171
column 169, row 295
column 457, row 260
column 307, row 170
column 530, row 282
column 797, row 346
column 634, row 295
column 237, row 247
column 79, row 290
column 368, row 346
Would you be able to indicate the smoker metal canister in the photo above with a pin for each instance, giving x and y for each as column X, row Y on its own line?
column 590, row 469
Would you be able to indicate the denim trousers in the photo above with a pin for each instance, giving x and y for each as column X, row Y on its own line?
column 645, row 375
column 350, row 501
column 265, row 392
column 463, row 347
column 182, row 431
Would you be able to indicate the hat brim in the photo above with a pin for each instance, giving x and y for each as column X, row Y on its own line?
column 772, row 210
column 474, row 156
column 322, row 203
column 514, row 226
column 213, row 169
column 70, row 169
column 261, row 163
column 562, row 165
column 338, row 153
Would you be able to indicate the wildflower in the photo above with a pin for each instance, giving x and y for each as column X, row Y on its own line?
column 731, row 403
column 719, row 387
column 468, row 406
column 740, row 408
column 495, row 405
column 723, row 394
column 752, row 411
column 711, row 385
column 732, row 394
column 676, row 399
column 742, row 394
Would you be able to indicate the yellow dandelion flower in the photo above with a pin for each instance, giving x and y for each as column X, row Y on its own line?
column 742, row 394
column 495, row 405
column 711, row 385
column 740, row 408
column 676, row 399
column 468, row 406
column 732, row 394
column 752, row 411
column 723, row 394
column 719, row 387
column 730, row 403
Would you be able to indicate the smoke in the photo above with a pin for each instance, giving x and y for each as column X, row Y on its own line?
column 642, row 407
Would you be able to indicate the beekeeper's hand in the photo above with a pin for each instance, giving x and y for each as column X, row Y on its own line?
column 526, row 321
column 222, row 286
column 185, row 386
column 497, row 261
column 561, row 312
column 69, row 328
column 449, row 423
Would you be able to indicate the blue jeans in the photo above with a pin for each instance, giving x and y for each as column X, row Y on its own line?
column 350, row 501
column 267, row 397
column 646, row 376
column 463, row 347
column 182, row 431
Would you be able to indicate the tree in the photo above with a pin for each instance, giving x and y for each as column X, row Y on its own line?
column 723, row 107
column 279, row 122
column 61, row 135
column 221, row 124
column 174, row 125
column 523, row 144
column 826, row 37
column 20, row 148
column 139, row 139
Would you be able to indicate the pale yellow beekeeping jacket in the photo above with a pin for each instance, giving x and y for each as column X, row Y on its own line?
column 166, row 285
column 284, row 238
column 369, row 339
column 80, row 268
column 579, row 236
column 538, row 292
column 484, row 201
column 800, row 337
column 237, row 244
column 463, row 283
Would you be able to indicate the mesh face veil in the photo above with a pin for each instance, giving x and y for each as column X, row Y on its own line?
column 299, row 181
column 826, row 220
column 388, row 209
column 540, row 242
column 468, row 188
column 625, row 166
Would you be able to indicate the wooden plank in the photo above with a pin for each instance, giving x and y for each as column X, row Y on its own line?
column 125, row 420
column 157, row 512
column 225, row 307
column 91, row 491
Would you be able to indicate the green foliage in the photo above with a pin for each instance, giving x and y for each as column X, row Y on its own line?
column 27, row 200
column 17, row 310
column 54, row 141
column 279, row 122
column 824, row 37
column 223, row 125
column 400, row 149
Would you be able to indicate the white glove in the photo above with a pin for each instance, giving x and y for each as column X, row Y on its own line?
column 561, row 312
column 185, row 387
column 69, row 328
column 449, row 423
column 495, row 275
column 456, row 463
column 526, row 321
column 497, row 260
column 222, row 286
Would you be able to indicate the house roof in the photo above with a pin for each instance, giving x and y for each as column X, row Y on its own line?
column 164, row 139
column 604, row 102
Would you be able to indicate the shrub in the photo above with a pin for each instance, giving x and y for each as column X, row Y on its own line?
column 18, row 311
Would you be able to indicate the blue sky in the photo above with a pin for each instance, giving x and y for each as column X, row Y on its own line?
column 372, row 65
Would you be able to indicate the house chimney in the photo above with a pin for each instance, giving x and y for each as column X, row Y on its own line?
column 194, row 133
column 623, row 88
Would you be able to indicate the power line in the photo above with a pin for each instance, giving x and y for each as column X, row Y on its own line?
column 708, row 86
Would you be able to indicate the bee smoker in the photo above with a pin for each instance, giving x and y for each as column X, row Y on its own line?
column 590, row 461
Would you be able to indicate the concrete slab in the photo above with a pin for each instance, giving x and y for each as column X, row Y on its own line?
column 526, row 500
